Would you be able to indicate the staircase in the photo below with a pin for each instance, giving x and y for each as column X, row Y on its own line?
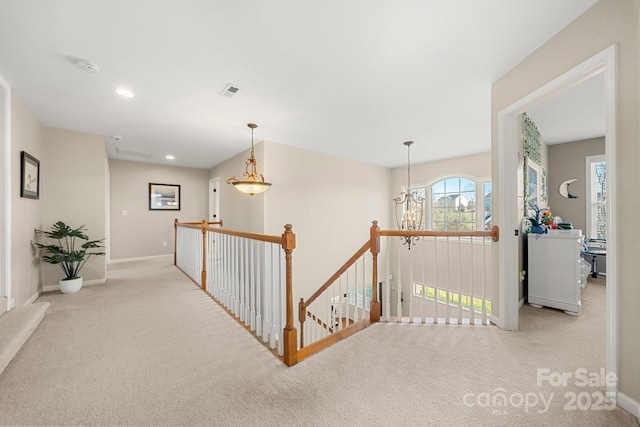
column 16, row 327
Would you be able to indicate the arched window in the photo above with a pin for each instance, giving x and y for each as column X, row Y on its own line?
column 460, row 204
column 456, row 203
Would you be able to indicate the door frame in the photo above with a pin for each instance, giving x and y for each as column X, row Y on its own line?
column 5, row 200
column 603, row 62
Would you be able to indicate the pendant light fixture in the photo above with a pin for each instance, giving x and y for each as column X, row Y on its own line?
column 409, row 205
column 254, row 182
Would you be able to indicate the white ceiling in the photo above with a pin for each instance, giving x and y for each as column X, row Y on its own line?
column 574, row 114
column 351, row 78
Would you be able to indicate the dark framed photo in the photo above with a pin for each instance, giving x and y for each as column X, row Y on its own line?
column 29, row 176
column 164, row 197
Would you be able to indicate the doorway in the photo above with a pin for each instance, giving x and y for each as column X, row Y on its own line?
column 214, row 199
column 508, row 274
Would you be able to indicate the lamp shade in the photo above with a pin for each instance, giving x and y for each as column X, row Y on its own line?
column 251, row 187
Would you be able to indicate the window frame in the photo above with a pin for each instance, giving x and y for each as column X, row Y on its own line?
column 590, row 231
column 479, row 183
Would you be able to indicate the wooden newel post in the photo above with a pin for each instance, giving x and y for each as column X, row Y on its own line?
column 375, row 250
column 203, row 278
column 290, row 334
column 175, row 241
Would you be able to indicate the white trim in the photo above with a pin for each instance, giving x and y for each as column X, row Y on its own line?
column 143, row 258
column 628, row 404
column 521, row 303
column 5, row 203
column 51, row 288
column 33, row 298
column 589, row 203
column 506, row 186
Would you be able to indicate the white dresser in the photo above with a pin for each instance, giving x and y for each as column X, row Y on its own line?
column 554, row 269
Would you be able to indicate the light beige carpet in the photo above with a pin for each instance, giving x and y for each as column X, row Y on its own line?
column 149, row 348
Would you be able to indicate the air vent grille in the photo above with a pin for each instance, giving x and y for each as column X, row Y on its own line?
column 134, row 153
column 230, row 90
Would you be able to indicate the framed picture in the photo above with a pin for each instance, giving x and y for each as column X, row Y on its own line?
column 29, row 176
column 164, row 197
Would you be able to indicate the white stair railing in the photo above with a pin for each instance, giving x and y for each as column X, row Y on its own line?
column 343, row 301
column 444, row 278
column 249, row 274
column 189, row 251
column 246, row 276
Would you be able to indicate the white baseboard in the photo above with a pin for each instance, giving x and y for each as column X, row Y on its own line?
column 521, row 304
column 628, row 404
column 84, row 283
column 496, row 321
column 33, row 298
column 144, row 258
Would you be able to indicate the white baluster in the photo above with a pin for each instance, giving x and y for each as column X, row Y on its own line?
column 259, row 284
column 399, row 287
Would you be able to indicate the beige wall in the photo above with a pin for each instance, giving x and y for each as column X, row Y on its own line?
column 26, row 135
column 567, row 161
column 141, row 232
column 240, row 211
column 330, row 201
column 606, row 23
column 73, row 191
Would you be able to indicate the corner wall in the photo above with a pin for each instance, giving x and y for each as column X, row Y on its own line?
column 73, row 175
column 141, row 232
column 240, row 211
column 26, row 214
column 608, row 22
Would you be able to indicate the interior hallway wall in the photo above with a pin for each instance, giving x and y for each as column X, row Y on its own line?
column 73, row 191
column 27, row 134
column 142, row 232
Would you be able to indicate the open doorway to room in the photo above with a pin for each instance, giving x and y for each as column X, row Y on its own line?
column 564, row 198
column 508, row 137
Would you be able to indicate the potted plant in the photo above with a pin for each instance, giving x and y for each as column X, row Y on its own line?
column 65, row 253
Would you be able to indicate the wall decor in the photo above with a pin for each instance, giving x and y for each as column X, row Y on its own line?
column 531, row 140
column 564, row 188
column 544, row 188
column 29, row 176
column 164, row 197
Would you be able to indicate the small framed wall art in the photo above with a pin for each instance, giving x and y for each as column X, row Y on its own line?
column 164, row 197
column 29, row 176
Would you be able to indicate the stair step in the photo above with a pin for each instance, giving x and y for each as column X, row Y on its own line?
column 16, row 327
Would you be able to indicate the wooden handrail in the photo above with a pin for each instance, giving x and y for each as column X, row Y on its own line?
column 494, row 233
column 336, row 275
column 248, row 235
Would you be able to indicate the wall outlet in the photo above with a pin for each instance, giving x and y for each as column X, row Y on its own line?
column 164, row 243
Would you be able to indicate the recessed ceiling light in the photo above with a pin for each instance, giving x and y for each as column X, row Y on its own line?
column 125, row 92
column 169, row 157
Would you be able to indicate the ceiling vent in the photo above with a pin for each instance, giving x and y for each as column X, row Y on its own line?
column 230, row 90
column 134, row 153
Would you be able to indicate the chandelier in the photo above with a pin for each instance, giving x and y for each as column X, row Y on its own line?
column 254, row 182
column 409, row 206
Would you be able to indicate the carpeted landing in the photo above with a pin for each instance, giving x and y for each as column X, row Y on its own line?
column 149, row 348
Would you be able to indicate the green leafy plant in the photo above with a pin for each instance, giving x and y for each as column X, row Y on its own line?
column 65, row 253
